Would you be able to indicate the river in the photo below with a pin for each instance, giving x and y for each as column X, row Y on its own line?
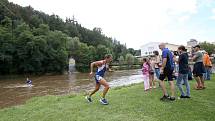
column 14, row 91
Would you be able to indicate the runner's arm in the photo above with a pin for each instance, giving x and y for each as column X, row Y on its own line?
column 97, row 63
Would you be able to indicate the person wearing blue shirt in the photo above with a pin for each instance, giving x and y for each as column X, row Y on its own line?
column 167, row 71
column 102, row 66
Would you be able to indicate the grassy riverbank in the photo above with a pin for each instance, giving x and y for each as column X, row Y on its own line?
column 126, row 104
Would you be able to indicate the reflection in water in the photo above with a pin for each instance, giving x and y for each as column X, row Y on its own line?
column 15, row 91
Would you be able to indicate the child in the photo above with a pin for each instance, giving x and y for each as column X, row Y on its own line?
column 152, row 72
column 145, row 70
column 29, row 82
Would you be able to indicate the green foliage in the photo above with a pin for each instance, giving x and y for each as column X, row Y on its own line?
column 208, row 47
column 102, row 50
column 136, row 61
column 129, row 58
column 131, row 51
column 34, row 42
column 121, row 60
column 82, row 53
column 7, row 50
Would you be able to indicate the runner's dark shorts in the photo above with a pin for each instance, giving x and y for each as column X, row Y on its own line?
column 198, row 69
column 167, row 73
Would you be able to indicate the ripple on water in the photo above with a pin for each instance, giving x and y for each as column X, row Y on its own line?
column 15, row 91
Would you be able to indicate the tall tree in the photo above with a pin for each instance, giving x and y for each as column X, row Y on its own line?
column 208, row 47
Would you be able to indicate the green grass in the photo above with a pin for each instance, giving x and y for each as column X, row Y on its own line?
column 126, row 104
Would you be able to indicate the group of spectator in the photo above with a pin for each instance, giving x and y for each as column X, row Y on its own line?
column 175, row 65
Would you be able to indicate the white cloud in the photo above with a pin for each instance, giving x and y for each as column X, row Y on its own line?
column 184, row 18
column 213, row 12
column 182, row 6
column 212, row 17
column 134, row 22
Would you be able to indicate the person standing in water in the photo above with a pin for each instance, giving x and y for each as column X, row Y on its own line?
column 28, row 82
column 102, row 66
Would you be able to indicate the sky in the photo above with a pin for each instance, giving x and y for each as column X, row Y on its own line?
column 137, row 22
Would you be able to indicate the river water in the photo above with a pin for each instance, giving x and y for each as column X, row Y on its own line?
column 14, row 91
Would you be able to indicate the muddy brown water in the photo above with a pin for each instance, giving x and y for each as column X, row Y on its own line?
column 14, row 91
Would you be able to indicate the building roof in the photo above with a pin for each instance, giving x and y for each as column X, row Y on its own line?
column 193, row 40
column 150, row 43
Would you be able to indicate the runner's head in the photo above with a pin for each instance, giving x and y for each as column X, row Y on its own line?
column 108, row 58
column 162, row 46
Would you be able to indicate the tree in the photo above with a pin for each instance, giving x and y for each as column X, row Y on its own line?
column 57, row 55
column 24, row 49
column 35, row 21
column 208, row 47
column 136, row 61
column 6, row 47
column 34, row 42
column 83, row 57
column 121, row 60
column 43, row 29
column 131, row 51
column 129, row 58
column 101, row 52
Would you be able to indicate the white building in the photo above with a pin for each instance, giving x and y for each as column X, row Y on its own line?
column 192, row 43
column 147, row 49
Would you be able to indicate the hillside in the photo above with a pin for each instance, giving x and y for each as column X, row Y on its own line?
column 34, row 42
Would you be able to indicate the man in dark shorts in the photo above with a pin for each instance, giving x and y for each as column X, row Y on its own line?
column 167, row 71
column 198, row 68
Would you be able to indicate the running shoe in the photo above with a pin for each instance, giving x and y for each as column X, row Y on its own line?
column 88, row 98
column 103, row 101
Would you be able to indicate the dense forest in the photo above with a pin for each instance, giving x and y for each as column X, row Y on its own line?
column 36, row 43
